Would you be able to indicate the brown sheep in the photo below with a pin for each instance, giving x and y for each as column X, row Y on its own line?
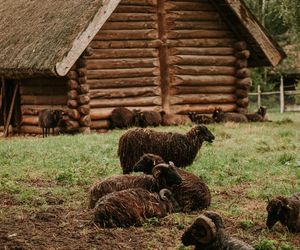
column 49, row 119
column 192, row 194
column 207, row 232
column 258, row 116
column 200, row 119
column 163, row 176
column 149, row 119
column 122, row 118
column 220, row 116
column 173, row 119
column 179, row 148
column 132, row 207
column 286, row 210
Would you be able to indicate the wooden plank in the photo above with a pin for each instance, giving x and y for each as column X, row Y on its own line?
column 203, row 98
column 139, row 2
column 30, row 120
column 203, row 80
column 125, row 44
column 208, row 25
column 208, row 42
column 124, row 53
column 202, row 70
column 202, row 60
column 126, row 35
column 202, row 90
column 122, row 63
column 129, row 25
column 203, row 108
column 217, row 51
column 123, row 17
column 135, row 9
column 200, row 33
column 193, row 16
column 189, row 6
column 100, row 124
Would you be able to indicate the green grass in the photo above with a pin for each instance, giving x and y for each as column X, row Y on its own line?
column 246, row 164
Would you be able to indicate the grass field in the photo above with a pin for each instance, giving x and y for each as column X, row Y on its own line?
column 44, row 183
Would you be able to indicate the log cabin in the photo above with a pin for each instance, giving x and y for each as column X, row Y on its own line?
column 88, row 57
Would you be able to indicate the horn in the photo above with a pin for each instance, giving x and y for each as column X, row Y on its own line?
column 165, row 194
column 156, row 171
column 172, row 164
column 208, row 226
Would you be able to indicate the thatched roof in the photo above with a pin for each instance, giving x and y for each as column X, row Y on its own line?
column 44, row 36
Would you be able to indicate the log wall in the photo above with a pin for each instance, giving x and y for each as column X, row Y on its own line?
column 37, row 94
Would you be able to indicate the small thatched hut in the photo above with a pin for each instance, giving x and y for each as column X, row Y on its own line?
column 180, row 56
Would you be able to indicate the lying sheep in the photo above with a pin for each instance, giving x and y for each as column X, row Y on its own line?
column 132, row 206
column 258, row 116
column 200, row 119
column 49, row 119
column 173, row 119
column 149, row 118
column 192, row 194
column 207, row 232
column 179, row 148
column 220, row 116
column 286, row 210
column 121, row 118
column 163, row 176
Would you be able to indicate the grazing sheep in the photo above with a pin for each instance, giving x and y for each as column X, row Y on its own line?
column 207, row 232
column 200, row 119
column 121, row 118
column 132, row 206
column 192, row 194
column 220, row 116
column 286, row 210
column 173, row 119
column 164, row 176
column 179, row 148
column 149, row 118
column 49, row 119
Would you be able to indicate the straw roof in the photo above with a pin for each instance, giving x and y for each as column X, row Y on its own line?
column 35, row 35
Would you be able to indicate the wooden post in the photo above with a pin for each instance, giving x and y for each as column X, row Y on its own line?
column 1, row 92
column 258, row 96
column 281, row 94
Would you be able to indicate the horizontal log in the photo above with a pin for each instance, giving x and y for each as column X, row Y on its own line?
column 202, row 60
column 72, row 94
column 209, row 25
column 193, row 16
column 124, row 92
column 120, row 73
column 129, row 25
column 202, row 70
column 243, row 102
column 84, row 109
column 105, row 113
column 203, row 108
column 189, row 6
column 35, row 109
column 124, row 82
column 203, row 80
column 243, row 73
column 73, row 114
column 242, row 110
column 200, row 33
column 41, row 100
column 83, row 99
column 203, row 99
column 217, row 51
column 72, row 84
column 244, row 83
column 241, row 93
column 101, row 124
column 126, row 102
column 72, row 104
column 125, row 17
column 124, row 53
column 108, row 35
column 30, row 120
column 43, row 90
column 84, row 88
column 243, row 54
column 32, row 130
column 207, row 42
column 202, row 90
column 122, row 63
column 139, row 2
column 135, row 9
column 125, row 44
column 240, row 45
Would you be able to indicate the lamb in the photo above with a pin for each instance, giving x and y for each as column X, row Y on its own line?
column 173, row 119
column 220, row 116
column 164, row 176
column 192, row 194
column 179, row 148
column 286, row 210
column 207, row 232
column 200, row 119
column 49, row 119
column 132, row 206
column 258, row 116
column 121, row 118
column 149, row 118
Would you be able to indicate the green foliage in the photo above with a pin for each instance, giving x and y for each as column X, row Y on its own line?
column 265, row 244
column 246, row 224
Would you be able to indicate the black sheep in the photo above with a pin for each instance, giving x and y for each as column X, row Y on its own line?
column 49, row 119
column 207, row 232
column 200, row 119
column 220, row 116
column 149, row 119
column 286, row 210
column 179, row 148
column 121, row 118
column 191, row 194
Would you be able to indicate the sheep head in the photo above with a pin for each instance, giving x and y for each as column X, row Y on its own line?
column 262, row 111
column 57, row 115
column 204, row 133
column 202, row 231
column 278, row 208
column 192, row 116
column 166, row 174
column 146, row 163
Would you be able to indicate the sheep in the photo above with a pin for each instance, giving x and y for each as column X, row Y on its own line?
column 131, row 207
column 258, row 116
column 121, row 118
column 173, row 119
column 179, row 148
column 220, row 116
column 149, row 118
column 163, row 176
column 207, row 232
column 200, row 119
column 192, row 194
column 286, row 210
column 49, row 119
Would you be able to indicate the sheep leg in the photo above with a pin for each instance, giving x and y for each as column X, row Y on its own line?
column 43, row 132
column 52, row 131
